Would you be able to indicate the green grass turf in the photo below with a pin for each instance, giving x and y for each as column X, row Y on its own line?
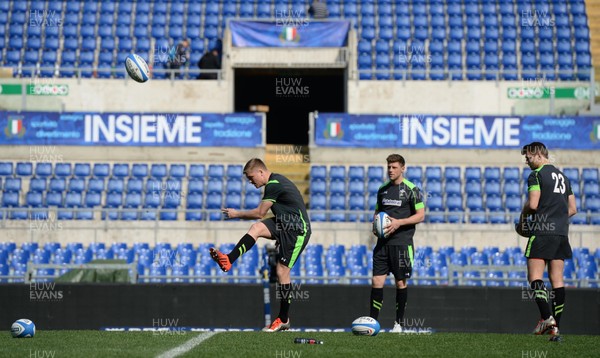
column 57, row 344
column 257, row 344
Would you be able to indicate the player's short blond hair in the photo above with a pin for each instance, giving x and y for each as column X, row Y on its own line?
column 254, row 164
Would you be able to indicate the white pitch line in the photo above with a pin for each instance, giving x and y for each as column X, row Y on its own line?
column 187, row 346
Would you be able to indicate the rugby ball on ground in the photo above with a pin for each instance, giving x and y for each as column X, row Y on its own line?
column 137, row 68
column 382, row 220
column 22, row 328
column 365, row 326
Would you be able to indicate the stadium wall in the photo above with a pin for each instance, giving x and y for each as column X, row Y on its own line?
column 460, row 97
column 455, row 157
column 108, row 154
column 109, row 95
column 441, row 309
column 368, row 97
column 219, row 232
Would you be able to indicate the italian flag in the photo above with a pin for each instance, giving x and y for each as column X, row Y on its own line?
column 335, row 129
column 290, row 33
column 15, row 126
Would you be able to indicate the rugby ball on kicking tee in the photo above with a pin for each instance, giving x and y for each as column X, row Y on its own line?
column 22, row 328
column 365, row 326
column 382, row 220
column 137, row 68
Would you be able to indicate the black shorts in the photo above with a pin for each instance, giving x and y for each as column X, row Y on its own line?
column 291, row 242
column 397, row 259
column 548, row 247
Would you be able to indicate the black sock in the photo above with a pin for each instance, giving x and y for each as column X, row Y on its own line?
column 558, row 303
column 376, row 302
column 245, row 244
column 541, row 298
column 401, row 296
column 285, row 291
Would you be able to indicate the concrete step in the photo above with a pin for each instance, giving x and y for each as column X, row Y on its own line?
column 291, row 161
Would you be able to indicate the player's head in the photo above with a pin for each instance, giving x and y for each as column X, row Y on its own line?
column 257, row 173
column 536, row 154
column 395, row 166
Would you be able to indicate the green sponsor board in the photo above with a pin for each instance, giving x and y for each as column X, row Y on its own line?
column 580, row 93
column 47, row 90
column 7, row 89
column 35, row 89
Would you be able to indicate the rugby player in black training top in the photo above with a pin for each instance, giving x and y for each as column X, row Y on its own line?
column 545, row 220
column 402, row 201
column 290, row 228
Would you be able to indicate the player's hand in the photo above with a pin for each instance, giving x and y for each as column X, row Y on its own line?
column 373, row 228
column 229, row 213
column 391, row 228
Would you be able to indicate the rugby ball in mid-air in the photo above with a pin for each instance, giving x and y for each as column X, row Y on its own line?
column 22, row 328
column 382, row 220
column 137, row 68
column 365, row 326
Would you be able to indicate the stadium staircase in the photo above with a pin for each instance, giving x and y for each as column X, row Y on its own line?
column 285, row 159
column 593, row 10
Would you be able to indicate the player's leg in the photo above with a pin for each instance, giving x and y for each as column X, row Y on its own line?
column 538, row 251
column 556, row 269
column 402, row 263
column 380, row 272
column 556, row 273
column 291, row 246
column 258, row 229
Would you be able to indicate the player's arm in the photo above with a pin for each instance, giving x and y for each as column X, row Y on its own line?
column 533, row 200
column 572, row 205
column 533, row 195
column 377, row 206
column 254, row 214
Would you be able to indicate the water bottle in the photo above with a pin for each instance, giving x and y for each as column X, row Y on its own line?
column 307, row 341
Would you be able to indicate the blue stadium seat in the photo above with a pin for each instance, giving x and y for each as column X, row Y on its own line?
column 6, row 168
column 588, row 175
column 196, row 186
column 82, row 170
column 251, row 200
column 154, row 185
column 139, row 170
column 473, row 174
column 337, row 187
column 24, row 169
column 216, row 171
column 475, row 206
column 43, row 170
column 37, row 184
column 152, row 200
column 158, row 171
column 10, row 199
column 214, row 203
column 452, row 187
column 120, row 170
column 92, row 199
column 435, row 209
column 433, row 173
column 12, row 185
column 591, row 189
column 134, row 185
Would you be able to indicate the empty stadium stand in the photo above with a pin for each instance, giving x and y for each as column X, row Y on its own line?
column 451, row 194
column 155, row 191
column 404, row 39
column 336, row 263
